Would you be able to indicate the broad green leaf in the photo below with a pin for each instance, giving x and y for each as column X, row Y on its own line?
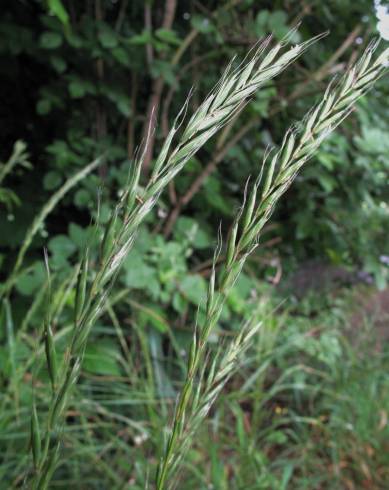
column 202, row 24
column 122, row 101
column 52, row 180
column 277, row 437
column 278, row 23
column 261, row 23
column 373, row 140
column 179, row 303
column 30, row 280
column 165, row 70
column 168, row 36
column 215, row 197
column 327, row 182
column 193, row 288
column 43, row 107
column 140, row 39
column 78, row 235
column 50, row 40
column 277, row 19
column 80, row 87
column 76, row 89
column 138, row 274
column 102, row 358
column 262, row 101
column 188, row 229
column 82, row 198
column 107, row 37
column 56, row 7
column 74, row 40
column 61, row 245
column 121, row 55
column 58, row 63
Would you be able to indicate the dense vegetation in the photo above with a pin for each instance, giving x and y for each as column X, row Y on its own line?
column 307, row 407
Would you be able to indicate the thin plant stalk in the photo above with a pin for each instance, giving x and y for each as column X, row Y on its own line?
column 19, row 157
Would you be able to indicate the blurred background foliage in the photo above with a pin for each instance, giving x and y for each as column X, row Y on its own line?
column 79, row 80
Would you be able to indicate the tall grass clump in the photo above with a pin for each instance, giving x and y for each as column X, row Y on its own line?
column 206, row 374
column 230, row 95
column 298, row 146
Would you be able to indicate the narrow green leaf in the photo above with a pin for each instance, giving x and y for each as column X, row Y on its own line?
column 51, row 356
column 81, row 287
column 35, row 436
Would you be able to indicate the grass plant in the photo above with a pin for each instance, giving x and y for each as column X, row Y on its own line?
column 298, row 146
column 229, row 96
column 207, row 372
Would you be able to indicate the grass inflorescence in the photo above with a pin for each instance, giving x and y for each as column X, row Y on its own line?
column 272, row 182
column 206, row 374
column 229, row 96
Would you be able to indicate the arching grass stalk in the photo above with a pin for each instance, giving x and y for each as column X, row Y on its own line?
column 41, row 217
column 231, row 94
column 299, row 144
